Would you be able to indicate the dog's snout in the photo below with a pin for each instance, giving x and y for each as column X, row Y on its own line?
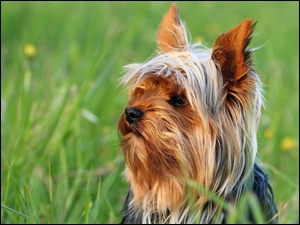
column 133, row 114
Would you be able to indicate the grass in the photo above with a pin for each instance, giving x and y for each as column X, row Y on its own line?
column 60, row 103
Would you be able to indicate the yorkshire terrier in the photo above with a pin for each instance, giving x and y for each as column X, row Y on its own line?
column 193, row 115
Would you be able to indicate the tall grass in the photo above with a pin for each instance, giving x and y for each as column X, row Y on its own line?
column 60, row 100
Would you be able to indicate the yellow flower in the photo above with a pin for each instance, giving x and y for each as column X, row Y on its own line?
column 287, row 144
column 29, row 51
column 268, row 133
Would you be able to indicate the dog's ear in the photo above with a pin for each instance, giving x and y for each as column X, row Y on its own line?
column 230, row 52
column 171, row 34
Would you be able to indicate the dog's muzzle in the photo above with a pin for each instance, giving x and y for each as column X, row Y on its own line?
column 132, row 114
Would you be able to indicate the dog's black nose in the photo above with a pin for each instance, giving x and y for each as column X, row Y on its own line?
column 133, row 114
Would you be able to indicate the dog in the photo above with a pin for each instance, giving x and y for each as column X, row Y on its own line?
column 192, row 116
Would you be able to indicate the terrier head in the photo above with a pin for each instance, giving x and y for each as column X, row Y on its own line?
column 192, row 113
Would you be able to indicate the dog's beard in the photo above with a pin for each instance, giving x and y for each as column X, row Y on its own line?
column 153, row 153
column 164, row 147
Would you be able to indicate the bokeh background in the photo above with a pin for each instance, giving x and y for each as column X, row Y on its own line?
column 60, row 100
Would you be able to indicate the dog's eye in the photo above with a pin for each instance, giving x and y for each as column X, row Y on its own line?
column 178, row 100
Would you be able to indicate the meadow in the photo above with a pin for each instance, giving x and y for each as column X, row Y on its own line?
column 60, row 100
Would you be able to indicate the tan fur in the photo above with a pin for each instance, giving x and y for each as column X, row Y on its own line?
column 171, row 34
column 208, row 136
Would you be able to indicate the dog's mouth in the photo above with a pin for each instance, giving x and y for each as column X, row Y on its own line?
column 129, row 120
column 128, row 125
column 128, row 128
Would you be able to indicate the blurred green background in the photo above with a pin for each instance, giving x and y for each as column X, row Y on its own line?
column 60, row 100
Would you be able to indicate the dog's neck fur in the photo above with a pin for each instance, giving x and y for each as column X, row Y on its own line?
column 258, row 183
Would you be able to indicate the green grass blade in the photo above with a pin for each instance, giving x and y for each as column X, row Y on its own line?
column 15, row 211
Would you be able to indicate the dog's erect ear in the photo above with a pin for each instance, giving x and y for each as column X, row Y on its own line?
column 230, row 51
column 171, row 34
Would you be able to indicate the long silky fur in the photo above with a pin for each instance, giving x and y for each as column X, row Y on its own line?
column 217, row 149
